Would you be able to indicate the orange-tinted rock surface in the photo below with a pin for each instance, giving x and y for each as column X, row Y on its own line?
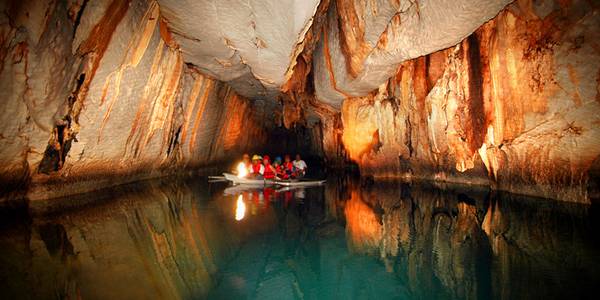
column 97, row 94
column 106, row 98
column 514, row 105
column 364, row 41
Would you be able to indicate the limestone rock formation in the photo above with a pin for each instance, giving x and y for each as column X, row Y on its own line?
column 364, row 41
column 249, row 44
column 514, row 105
column 98, row 93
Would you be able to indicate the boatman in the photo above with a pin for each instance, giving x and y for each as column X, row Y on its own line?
column 257, row 170
column 300, row 167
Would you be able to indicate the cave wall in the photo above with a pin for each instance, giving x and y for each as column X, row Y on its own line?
column 87, row 85
column 92, row 89
column 363, row 42
column 514, row 105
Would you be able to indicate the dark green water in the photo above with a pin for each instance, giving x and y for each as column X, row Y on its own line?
column 186, row 239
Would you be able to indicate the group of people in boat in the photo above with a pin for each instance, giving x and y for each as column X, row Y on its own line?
column 262, row 167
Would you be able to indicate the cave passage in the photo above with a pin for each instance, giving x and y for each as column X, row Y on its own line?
column 450, row 149
column 498, row 93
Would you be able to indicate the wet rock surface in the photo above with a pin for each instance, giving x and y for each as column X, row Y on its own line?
column 364, row 41
column 495, row 93
column 107, row 98
column 504, row 107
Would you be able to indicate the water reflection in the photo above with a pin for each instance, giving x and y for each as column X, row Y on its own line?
column 240, row 208
column 348, row 239
column 460, row 244
column 150, row 241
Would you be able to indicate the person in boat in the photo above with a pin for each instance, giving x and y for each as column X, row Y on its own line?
column 257, row 170
column 300, row 166
column 288, row 167
column 270, row 172
column 243, row 168
column 279, row 172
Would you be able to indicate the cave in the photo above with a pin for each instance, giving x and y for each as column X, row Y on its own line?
column 453, row 149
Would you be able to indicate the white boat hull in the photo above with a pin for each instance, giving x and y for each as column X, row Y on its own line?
column 248, row 181
column 257, row 182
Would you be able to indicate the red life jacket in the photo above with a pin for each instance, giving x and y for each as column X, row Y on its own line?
column 288, row 169
column 269, row 174
column 281, row 172
column 256, row 168
column 288, row 166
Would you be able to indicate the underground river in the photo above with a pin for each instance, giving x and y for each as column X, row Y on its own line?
column 185, row 238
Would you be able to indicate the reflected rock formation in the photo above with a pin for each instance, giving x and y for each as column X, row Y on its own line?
column 363, row 227
column 154, row 242
column 466, row 244
column 180, row 239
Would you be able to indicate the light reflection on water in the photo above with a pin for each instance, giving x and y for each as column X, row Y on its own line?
column 240, row 208
column 351, row 240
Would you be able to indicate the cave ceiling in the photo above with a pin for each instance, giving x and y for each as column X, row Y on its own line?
column 253, row 45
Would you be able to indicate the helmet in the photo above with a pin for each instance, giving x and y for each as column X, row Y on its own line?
column 266, row 157
column 278, row 159
column 256, row 157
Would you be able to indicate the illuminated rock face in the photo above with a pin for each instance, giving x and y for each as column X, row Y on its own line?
column 366, row 40
column 102, row 96
column 514, row 105
column 100, row 93
column 254, row 45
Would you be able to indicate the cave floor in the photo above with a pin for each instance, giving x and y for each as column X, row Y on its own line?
column 187, row 238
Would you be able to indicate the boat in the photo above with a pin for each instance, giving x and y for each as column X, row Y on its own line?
column 237, row 189
column 292, row 182
column 299, row 182
column 233, row 178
